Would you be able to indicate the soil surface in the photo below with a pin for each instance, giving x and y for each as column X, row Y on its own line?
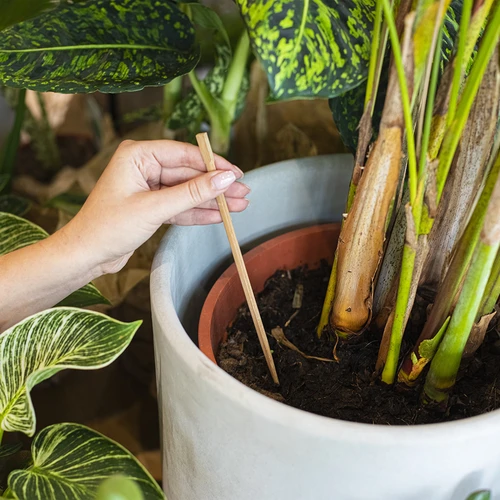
column 344, row 390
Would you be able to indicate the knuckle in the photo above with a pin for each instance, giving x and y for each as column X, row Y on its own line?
column 195, row 191
column 127, row 144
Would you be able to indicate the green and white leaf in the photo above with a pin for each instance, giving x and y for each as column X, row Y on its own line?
column 16, row 11
column 44, row 344
column 16, row 233
column 6, row 450
column 311, row 48
column 13, row 204
column 70, row 461
column 480, row 495
column 105, row 45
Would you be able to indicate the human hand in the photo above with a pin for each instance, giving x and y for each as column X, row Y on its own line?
column 145, row 185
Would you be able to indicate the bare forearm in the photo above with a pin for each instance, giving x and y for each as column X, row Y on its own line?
column 37, row 277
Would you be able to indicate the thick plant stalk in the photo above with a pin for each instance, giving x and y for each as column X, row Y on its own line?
column 448, row 290
column 465, row 178
column 446, row 362
column 446, row 154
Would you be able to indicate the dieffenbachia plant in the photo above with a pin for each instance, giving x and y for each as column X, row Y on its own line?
column 66, row 460
column 87, row 46
column 16, row 233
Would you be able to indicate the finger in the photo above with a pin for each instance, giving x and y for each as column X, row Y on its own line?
column 169, row 154
column 175, row 176
column 234, row 204
column 196, row 217
column 170, row 202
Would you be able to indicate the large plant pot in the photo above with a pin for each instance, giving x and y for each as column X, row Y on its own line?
column 224, row 441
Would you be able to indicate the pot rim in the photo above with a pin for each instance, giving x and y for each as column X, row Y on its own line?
column 226, row 386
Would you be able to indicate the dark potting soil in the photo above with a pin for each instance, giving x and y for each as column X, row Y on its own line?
column 345, row 389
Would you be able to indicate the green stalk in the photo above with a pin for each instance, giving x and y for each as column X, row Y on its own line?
column 9, row 151
column 454, row 131
column 221, row 112
column 492, row 291
column 405, row 98
column 460, row 63
column 446, row 362
column 371, row 85
column 454, row 277
column 171, row 96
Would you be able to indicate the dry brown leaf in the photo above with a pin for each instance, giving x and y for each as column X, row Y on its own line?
column 280, row 337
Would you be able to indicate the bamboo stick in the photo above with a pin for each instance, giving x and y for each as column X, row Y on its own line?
column 208, row 158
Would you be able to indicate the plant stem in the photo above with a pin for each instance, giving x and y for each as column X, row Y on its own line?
column 446, row 362
column 454, row 277
column 454, row 131
column 405, row 98
column 460, row 63
column 171, row 96
column 12, row 144
column 371, row 86
column 492, row 291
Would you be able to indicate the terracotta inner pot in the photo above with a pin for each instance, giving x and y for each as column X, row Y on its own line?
column 304, row 246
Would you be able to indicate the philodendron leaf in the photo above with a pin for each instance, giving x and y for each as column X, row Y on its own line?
column 16, row 11
column 70, row 461
column 6, row 450
column 105, row 45
column 16, row 233
column 13, row 204
column 311, row 48
column 46, row 343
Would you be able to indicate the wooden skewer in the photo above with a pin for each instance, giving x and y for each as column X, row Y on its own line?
column 208, row 158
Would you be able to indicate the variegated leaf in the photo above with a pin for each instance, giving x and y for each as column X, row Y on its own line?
column 46, row 343
column 70, row 461
column 347, row 108
column 13, row 204
column 16, row 233
column 106, row 45
column 16, row 11
column 311, row 48
column 7, row 450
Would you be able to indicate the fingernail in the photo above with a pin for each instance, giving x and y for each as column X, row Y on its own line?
column 240, row 171
column 223, row 180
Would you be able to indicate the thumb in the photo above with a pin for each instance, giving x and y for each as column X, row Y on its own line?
column 174, row 200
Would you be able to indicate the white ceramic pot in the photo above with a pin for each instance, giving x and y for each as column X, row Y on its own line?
column 224, row 441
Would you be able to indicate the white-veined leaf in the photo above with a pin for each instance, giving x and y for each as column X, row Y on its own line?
column 14, row 204
column 70, row 461
column 16, row 233
column 46, row 343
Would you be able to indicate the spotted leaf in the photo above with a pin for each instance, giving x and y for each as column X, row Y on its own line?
column 70, row 461
column 106, row 45
column 311, row 48
column 44, row 344
column 16, row 233
column 16, row 11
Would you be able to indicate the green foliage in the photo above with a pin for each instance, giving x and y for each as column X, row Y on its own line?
column 480, row 495
column 13, row 204
column 44, row 344
column 311, row 48
column 119, row 488
column 106, row 45
column 67, row 202
column 16, row 11
column 16, row 233
column 71, row 461
column 347, row 108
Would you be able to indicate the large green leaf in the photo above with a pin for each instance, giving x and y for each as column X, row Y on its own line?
column 16, row 11
column 311, row 48
column 347, row 108
column 16, row 233
column 106, row 45
column 46, row 343
column 70, row 461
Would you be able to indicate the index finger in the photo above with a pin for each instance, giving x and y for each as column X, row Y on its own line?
column 172, row 154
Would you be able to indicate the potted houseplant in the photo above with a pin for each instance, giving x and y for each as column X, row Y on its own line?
column 240, row 444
